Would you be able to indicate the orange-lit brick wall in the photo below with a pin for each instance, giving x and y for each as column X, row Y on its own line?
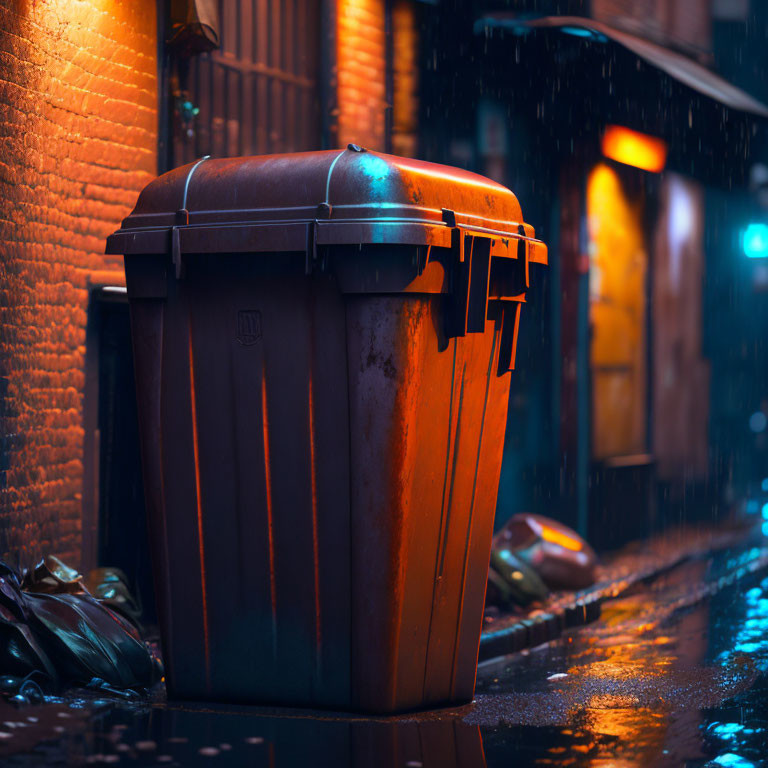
column 405, row 77
column 78, row 140
column 360, row 74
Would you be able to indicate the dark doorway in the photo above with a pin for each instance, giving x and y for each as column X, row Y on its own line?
column 118, row 535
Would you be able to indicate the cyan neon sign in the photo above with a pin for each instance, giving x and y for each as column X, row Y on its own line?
column 755, row 241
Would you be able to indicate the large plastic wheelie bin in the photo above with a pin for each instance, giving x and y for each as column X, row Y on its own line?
column 322, row 347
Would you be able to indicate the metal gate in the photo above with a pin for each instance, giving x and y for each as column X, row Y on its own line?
column 258, row 93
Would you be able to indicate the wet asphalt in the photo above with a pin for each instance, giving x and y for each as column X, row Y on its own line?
column 673, row 674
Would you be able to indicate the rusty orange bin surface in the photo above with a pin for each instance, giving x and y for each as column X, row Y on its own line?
column 322, row 347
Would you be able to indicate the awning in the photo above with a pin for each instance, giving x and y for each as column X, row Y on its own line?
column 680, row 67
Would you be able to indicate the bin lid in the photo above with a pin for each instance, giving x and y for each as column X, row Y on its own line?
column 288, row 202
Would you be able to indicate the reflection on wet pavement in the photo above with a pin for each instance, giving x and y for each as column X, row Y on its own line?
column 665, row 678
column 644, row 686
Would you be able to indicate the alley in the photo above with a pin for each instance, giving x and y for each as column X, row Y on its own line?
column 674, row 673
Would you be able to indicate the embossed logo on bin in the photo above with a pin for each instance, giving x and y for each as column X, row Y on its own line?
column 248, row 326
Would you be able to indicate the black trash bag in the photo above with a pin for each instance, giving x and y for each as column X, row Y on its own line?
column 512, row 582
column 561, row 558
column 51, row 576
column 21, row 653
column 110, row 587
column 52, row 625
column 85, row 639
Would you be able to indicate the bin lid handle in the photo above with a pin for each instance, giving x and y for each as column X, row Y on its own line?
column 328, row 180
column 189, row 178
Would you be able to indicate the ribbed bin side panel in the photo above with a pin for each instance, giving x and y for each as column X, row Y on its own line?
column 383, row 527
column 482, row 505
column 321, row 472
column 255, row 484
column 473, row 456
column 177, row 469
column 147, row 321
column 423, row 408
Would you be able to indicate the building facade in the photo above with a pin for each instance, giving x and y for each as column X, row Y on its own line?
column 93, row 104
column 78, row 140
column 616, row 360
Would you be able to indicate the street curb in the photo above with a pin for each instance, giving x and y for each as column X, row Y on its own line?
column 545, row 625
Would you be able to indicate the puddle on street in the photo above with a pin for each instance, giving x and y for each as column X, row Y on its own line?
column 661, row 679
column 650, row 684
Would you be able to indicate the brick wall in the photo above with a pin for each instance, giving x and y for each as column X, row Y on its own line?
column 360, row 75
column 78, row 140
column 405, row 76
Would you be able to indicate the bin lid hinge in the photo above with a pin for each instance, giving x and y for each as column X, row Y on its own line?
column 510, row 325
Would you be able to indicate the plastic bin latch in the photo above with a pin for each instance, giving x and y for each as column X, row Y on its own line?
column 510, row 325
column 484, row 266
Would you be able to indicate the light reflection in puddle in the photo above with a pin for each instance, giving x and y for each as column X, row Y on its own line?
column 639, row 684
column 730, row 760
column 752, row 635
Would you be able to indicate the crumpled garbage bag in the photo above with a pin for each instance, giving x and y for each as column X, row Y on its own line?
column 562, row 558
column 53, row 629
column 110, row 587
column 21, row 652
column 51, row 576
column 511, row 581
column 532, row 554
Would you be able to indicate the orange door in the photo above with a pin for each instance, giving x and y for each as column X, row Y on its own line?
column 618, row 262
